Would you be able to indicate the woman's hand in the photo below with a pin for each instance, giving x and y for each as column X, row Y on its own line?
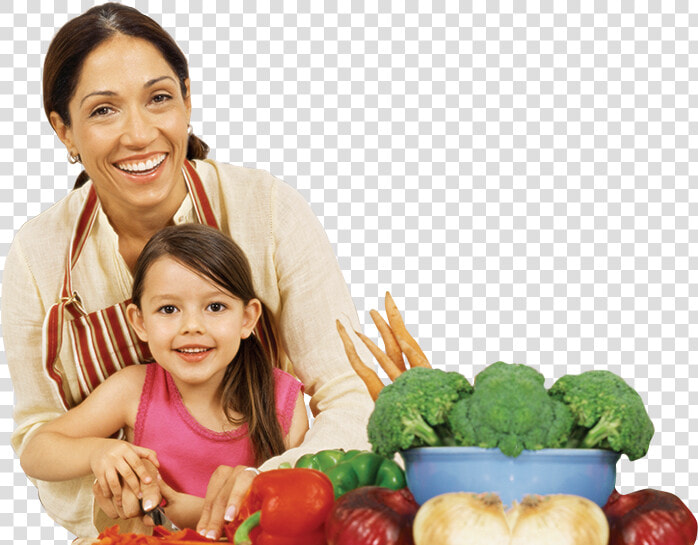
column 119, row 463
column 224, row 494
column 128, row 505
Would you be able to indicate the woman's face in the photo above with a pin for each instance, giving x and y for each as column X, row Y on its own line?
column 129, row 124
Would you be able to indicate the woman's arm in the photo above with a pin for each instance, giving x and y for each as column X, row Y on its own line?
column 77, row 443
column 314, row 295
column 31, row 282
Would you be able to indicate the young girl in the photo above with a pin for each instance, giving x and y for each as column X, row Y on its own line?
column 211, row 397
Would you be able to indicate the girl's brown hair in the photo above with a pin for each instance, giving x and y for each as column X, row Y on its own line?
column 82, row 35
column 248, row 382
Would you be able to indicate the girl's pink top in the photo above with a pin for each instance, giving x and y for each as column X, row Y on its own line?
column 188, row 452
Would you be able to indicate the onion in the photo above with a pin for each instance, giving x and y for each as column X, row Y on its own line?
column 557, row 520
column 461, row 518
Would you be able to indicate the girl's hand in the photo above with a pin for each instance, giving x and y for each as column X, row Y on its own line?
column 182, row 509
column 119, row 460
column 128, row 505
column 224, row 494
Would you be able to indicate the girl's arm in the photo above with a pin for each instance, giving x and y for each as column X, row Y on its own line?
column 78, row 442
column 299, row 424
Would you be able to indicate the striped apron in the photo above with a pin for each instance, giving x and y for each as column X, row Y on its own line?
column 103, row 341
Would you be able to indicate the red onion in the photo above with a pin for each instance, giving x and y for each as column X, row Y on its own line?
column 649, row 517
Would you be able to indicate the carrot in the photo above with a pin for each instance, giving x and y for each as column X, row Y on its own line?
column 414, row 355
column 408, row 345
column 383, row 360
column 371, row 379
column 392, row 348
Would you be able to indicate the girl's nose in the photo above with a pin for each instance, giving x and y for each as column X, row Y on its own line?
column 139, row 130
column 192, row 324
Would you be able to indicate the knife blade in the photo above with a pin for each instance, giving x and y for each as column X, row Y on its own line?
column 160, row 518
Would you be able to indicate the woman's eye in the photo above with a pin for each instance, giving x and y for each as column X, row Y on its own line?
column 167, row 309
column 162, row 97
column 216, row 307
column 101, row 111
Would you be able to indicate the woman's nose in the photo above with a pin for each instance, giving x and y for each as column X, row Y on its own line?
column 139, row 130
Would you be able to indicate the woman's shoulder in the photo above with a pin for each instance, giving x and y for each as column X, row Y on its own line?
column 47, row 235
column 210, row 169
column 60, row 215
column 238, row 180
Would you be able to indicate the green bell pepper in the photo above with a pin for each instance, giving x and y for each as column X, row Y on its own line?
column 354, row 468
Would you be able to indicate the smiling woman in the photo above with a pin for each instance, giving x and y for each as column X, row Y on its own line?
column 130, row 129
column 117, row 93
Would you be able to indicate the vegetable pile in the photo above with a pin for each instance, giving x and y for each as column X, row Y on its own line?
column 507, row 407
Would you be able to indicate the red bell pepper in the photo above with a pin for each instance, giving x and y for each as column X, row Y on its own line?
column 288, row 506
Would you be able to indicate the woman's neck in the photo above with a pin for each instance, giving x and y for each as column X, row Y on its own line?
column 134, row 227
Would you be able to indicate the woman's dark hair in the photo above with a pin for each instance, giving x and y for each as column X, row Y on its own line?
column 82, row 35
column 248, row 382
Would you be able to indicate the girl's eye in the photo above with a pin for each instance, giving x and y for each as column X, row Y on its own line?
column 216, row 307
column 167, row 309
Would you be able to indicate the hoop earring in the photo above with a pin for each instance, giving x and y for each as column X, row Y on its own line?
column 72, row 159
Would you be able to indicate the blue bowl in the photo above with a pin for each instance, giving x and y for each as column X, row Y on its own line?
column 431, row 471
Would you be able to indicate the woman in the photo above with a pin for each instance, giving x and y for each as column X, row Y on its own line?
column 117, row 93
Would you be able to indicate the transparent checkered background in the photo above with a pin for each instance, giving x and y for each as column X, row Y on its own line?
column 522, row 179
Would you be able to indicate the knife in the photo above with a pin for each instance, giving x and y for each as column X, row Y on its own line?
column 160, row 518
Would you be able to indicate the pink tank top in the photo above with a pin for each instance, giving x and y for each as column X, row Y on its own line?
column 188, row 452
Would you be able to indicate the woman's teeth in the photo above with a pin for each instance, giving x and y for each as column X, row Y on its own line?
column 192, row 350
column 143, row 166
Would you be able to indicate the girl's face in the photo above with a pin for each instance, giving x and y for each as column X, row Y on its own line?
column 192, row 326
column 129, row 125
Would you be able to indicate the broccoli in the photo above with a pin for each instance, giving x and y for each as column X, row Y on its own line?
column 608, row 413
column 412, row 411
column 510, row 409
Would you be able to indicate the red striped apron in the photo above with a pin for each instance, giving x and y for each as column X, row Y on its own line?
column 102, row 341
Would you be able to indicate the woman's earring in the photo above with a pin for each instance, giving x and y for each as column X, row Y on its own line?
column 190, row 130
column 72, row 159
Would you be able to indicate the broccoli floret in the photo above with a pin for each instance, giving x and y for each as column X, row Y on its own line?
column 412, row 411
column 510, row 409
column 608, row 413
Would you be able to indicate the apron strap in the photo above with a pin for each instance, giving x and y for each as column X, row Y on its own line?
column 52, row 329
column 202, row 205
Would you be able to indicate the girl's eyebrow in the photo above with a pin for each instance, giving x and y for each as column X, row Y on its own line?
column 105, row 93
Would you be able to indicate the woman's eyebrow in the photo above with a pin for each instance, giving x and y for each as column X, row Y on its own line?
column 152, row 82
column 148, row 83
column 98, row 93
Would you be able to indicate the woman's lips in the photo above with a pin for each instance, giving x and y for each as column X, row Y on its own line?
column 138, row 172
